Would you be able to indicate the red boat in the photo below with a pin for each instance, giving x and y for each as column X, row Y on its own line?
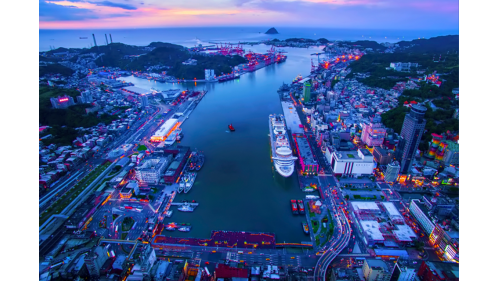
column 294, row 207
column 301, row 207
column 231, row 128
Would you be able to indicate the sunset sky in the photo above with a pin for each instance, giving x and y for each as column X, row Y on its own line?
column 367, row 14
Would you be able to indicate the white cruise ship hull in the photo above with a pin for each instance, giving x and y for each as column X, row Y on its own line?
column 284, row 161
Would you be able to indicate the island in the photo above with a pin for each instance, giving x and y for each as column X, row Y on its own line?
column 272, row 30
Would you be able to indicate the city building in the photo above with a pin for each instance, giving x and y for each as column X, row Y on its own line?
column 306, row 91
column 445, row 244
column 381, row 223
column 373, row 134
column 225, row 272
column 420, row 212
column 451, row 153
column 95, row 260
column 209, row 75
column 308, row 164
column 128, row 190
column 62, row 102
column 392, row 172
column 382, row 156
column 181, row 156
column 403, row 66
column 144, row 101
column 403, row 273
column 152, row 169
column 165, row 130
column 350, row 163
column 135, row 91
column 411, row 134
column 376, row 270
column 438, row 271
column 142, row 266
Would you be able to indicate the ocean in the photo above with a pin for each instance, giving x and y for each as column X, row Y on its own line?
column 190, row 37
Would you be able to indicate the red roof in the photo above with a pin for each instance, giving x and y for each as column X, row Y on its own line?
column 406, row 102
column 225, row 271
column 413, row 102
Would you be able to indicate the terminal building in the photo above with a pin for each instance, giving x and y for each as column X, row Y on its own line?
column 132, row 90
column 152, row 169
column 350, row 163
column 165, row 130
column 381, row 223
column 308, row 164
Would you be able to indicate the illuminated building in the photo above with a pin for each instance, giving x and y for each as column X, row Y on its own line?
column 438, row 271
column 373, row 134
column 131, row 188
column 392, row 172
column 95, row 259
column 376, row 270
column 381, row 223
column 308, row 164
column 445, row 242
column 306, row 91
column 420, row 213
column 411, row 134
column 351, row 163
column 62, row 102
column 165, row 130
column 152, row 169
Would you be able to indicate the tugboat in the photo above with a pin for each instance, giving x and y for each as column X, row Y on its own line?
column 305, row 227
column 193, row 161
column 231, row 128
column 294, row 207
column 201, row 160
column 301, row 207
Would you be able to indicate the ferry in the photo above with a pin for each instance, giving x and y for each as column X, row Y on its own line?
column 301, row 207
column 294, row 207
column 282, row 156
column 186, row 208
column 305, row 227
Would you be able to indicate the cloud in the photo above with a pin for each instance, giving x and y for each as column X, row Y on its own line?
column 115, row 5
column 54, row 12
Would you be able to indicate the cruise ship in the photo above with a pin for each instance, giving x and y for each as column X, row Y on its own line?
column 282, row 153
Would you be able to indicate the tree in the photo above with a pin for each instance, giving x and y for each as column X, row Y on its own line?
column 346, row 197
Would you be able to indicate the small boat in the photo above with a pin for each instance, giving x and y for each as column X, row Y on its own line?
column 185, row 228
column 83, row 37
column 305, row 227
column 294, row 207
column 180, row 189
column 169, row 213
column 186, row 208
column 301, row 207
column 231, row 128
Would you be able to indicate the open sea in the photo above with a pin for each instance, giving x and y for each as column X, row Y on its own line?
column 192, row 36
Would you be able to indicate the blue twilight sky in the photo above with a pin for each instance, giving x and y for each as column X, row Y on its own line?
column 363, row 14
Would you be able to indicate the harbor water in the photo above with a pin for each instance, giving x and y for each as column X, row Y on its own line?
column 238, row 188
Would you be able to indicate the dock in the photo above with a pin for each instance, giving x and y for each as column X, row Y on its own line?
column 180, row 204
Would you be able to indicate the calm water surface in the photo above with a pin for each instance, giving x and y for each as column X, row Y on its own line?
column 237, row 188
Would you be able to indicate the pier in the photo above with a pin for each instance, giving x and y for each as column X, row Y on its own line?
column 180, row 204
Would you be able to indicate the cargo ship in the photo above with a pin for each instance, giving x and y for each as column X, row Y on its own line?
column 294, row 207
column 282, row 156
column 305, row 227
column 301, row 207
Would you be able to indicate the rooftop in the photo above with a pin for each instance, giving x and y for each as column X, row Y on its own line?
column 137, row 90
column 364, row 206
column 372, row 228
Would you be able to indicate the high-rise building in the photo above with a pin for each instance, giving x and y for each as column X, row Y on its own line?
column 307, row 91
column 209, row 74
column 144, row 101
column 450, row 156
column 373, row 134
column 382, row 156
column 403, row 273
column 421, row 214
column 375, row 270
column 392, row 172
column 95, row 259
column 411, row 134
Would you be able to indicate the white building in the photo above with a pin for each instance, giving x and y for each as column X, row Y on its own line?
column 374, row 270
column 403, row 66
column 209, row 74
column 350, row 163
column 152, row 169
